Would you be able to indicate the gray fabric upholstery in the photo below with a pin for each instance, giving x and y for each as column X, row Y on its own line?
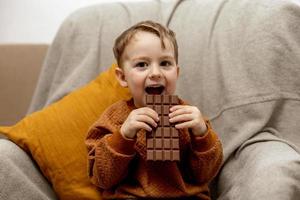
column 240, row 65
column 239, row 62
column 20, row 178
column 265, row 168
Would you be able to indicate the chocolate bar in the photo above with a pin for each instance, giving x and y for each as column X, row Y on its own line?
column 162, row 141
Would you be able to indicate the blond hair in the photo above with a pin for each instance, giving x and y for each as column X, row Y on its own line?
column 148, row 26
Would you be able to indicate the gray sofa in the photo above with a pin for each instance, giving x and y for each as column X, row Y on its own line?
column 240, row 64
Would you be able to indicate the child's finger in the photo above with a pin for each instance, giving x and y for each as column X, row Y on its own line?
column 176, row 107
column 183, row 125
column 181, row 118
column 151, row 113
column 146, row 119
column 142, row 125
column 148, row 112
column 180, row 111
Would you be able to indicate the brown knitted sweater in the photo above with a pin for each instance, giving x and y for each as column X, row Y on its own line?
column 118, row 166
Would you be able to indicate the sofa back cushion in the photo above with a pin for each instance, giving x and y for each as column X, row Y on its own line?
column 54, row 136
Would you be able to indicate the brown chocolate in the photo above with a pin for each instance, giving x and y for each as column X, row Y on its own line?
column 163, row 141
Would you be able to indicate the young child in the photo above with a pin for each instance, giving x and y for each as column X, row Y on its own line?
column 147, row 56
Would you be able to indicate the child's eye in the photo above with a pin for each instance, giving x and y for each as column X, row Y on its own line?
column 141, row 64
column 165, row 63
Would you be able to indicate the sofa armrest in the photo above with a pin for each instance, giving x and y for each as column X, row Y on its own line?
column 19, row 171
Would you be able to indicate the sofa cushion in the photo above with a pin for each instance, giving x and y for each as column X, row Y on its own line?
column 55, row 135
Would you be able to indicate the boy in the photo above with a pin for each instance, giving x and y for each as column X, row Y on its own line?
column 147, row 56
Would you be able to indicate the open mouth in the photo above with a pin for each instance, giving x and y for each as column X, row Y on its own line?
column 155, row 90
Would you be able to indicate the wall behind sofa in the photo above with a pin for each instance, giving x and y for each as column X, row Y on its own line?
column 27, row 28
column 36, row 21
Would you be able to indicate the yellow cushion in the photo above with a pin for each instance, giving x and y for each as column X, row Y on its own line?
column 55, row 135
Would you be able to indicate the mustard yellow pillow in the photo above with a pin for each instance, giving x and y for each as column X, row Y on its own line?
column 55, row 135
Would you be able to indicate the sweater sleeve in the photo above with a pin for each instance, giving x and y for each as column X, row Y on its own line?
column 206, row 156
column 109, row 154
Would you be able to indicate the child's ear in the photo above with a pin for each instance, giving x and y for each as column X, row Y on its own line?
column 121, row 77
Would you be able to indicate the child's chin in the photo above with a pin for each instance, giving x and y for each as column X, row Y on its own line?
column 139, row 104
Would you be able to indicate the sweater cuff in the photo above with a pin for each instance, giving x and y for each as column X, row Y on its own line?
column 205, row 142
column 120, row 144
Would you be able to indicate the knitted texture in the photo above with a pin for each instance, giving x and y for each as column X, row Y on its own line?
column 118, row 166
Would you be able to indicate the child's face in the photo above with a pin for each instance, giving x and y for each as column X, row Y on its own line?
column 147, row 67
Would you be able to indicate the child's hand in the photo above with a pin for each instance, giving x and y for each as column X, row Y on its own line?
column 186, row 116
column 141, row 118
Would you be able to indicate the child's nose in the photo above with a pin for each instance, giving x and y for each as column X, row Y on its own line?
column 155, row 72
